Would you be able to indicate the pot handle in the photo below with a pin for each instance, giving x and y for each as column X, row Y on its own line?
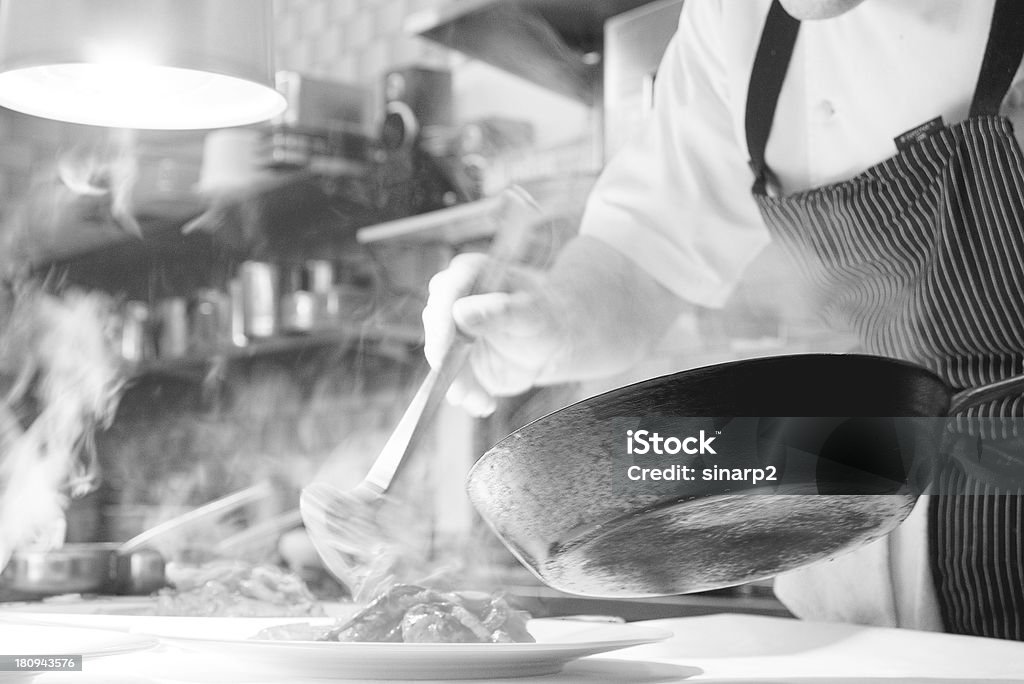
column 973, row 396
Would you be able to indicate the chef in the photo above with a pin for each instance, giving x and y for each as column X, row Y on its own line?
column 877, row 142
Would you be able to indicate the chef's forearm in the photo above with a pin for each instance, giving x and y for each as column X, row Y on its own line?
column 612, row 310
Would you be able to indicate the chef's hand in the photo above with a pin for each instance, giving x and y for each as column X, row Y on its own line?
column 594, row 313
column 518, row 333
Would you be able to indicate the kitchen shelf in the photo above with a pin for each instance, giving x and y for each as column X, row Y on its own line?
column 193, row 365
column 554, row 43
column 266, row 213
column 87, row 228
column 454, row 225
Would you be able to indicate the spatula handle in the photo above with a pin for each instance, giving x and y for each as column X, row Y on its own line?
column 217, row 507
column 517, row 214
column 417, row 416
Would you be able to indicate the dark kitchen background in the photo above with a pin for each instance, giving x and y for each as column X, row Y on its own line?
column 405, row 119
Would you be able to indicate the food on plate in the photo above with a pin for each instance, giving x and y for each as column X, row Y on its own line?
column 236, row 589
column 414, row 614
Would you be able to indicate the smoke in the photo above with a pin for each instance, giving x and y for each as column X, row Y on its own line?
column 58, row 363
column 66, row 382
column 107, row 169
column 83, row 197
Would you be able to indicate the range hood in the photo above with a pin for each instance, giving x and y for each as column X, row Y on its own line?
column 556, row 44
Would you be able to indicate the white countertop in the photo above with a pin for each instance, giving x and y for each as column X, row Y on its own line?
column 715, row 648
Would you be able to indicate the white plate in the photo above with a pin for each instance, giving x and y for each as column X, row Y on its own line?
column 127, row 613
column 76, row 604
column 27, row 639
column 558, row 642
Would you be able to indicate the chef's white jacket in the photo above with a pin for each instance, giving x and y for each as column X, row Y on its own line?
column 677, row 199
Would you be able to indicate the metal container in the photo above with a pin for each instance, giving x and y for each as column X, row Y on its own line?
column 136, row 344
column 209, row 321
column 91, row 568
column 139, row 572
column 324, row 105
column 173, row 316
column 298, row 304
column 237, row 297
column 321, row 275
column 259, row 282
column 326, row 127
column 326, row 305
column 72, row 569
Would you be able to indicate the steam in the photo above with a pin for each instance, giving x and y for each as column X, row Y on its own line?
column 66, row 383
column 59, row 368
column 108, row 168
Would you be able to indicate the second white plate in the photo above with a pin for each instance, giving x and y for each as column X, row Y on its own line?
column 558, row 642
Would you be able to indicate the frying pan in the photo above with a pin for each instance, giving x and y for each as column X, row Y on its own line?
column 554, row 490
column 113, row 567
column 83, row 568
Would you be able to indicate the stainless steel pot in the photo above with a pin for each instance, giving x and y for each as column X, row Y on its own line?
column 93, row 568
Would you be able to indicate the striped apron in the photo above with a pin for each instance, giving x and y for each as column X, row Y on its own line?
column 922, row 256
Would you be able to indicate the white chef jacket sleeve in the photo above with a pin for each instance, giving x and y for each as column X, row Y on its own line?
column 886, row 583
column 676, row 199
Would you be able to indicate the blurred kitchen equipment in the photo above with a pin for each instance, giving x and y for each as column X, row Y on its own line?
column 326, row 293
column 140, row 64
column 415, row 136
column 549, row 490
column 342, row 524
column 214, row 509
column 115, row 568
column 172, row 317
column 326, row 127
column 232, row 162
column 209, row 321
column 417, row 100
column 236, row 294
column 479, row 154
column 138, row 572
column 262, row 534
column 136, row 344
column 89, row 568
column 321, row 275
column 298, row 303
column 316, row 104
column 259, row 290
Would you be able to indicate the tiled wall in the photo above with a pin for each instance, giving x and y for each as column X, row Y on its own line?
column 358, row 41
column 353, row 41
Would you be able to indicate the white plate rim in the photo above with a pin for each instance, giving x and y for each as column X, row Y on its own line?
column 560, row 642
column 120, row 642
column 132, row 607
column 638, row 634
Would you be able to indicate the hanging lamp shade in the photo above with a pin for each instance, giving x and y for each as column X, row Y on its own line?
column 148, row 64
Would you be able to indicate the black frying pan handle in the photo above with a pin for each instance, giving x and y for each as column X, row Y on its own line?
column 973, row 396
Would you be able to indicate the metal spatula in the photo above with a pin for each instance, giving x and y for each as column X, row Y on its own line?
column 197, row 516
column 343, row 524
